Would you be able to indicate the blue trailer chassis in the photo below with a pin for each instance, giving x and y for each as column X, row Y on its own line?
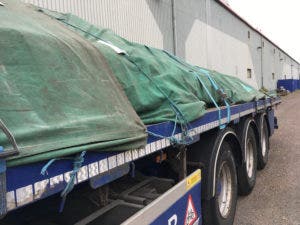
column 25, row 184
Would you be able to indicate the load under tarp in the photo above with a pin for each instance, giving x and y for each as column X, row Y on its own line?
column 153, row 78
column 59, row 95
column 59, row 90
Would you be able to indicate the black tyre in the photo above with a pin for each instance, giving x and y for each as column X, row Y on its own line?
column 264, row 146
column 247, row 170
column 220, row 210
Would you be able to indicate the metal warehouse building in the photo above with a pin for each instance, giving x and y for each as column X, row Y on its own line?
column 206, row 33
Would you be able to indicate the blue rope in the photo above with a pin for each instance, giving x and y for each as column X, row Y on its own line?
column 210, row 78
column 180, row 61
column 212, row 99
column 173, row 140
column 187, row 140
column 228, row 111
column 178, row 113
column 183, row 122
column 214, row 84
column 45, row 167
column 79, row 159
column 192, row 69
column 77, row 163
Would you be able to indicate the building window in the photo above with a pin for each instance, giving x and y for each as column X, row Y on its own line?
column 273, row 76
column 249, row 73
column 274, row 50
column 263, row 44
column 248, row 34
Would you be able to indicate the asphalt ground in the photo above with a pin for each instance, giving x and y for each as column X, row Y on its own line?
column 276, row 195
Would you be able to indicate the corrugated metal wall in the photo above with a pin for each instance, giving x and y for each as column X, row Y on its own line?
column 143, row 21
column 231, row 47
column 206, row 34
column 191, row 31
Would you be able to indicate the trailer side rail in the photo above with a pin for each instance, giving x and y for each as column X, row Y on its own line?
column 25, row 184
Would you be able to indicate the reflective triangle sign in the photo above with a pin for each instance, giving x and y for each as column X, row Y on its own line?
column 191, row 213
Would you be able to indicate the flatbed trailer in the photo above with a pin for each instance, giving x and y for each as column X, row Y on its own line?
column 189, row 197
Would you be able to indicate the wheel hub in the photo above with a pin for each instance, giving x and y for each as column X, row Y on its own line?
column 225, row 191
column 263, row 144
column 249, row 158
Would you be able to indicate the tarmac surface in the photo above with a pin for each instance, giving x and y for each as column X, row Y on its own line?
column 276, row 195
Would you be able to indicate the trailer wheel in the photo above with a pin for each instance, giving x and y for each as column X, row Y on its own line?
column 263, row 151
column 246, row 171
column 220, row 210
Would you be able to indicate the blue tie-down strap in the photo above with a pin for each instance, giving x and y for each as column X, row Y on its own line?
column 77, row 163
column 222, row 126
column 219, row 90
column 186, row 138
column 3, row 208
column 228, row 111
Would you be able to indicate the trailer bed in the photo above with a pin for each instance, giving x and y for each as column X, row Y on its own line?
column 25, row 184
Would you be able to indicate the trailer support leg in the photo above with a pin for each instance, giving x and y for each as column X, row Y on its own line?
column 182, row 159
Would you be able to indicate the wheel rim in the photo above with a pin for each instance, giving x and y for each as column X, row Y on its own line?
column 225, row 190
column 263, row 144
column 249, row 158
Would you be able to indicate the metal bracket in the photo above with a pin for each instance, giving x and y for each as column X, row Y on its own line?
column 183, row 167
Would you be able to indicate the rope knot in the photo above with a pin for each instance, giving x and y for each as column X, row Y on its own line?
column 77, row 163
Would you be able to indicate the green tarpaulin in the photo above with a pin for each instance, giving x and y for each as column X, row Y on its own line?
column 148, row 75
column 59, row 90
column 58, row 93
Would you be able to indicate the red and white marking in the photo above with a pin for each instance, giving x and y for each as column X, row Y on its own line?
column 191, row 214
